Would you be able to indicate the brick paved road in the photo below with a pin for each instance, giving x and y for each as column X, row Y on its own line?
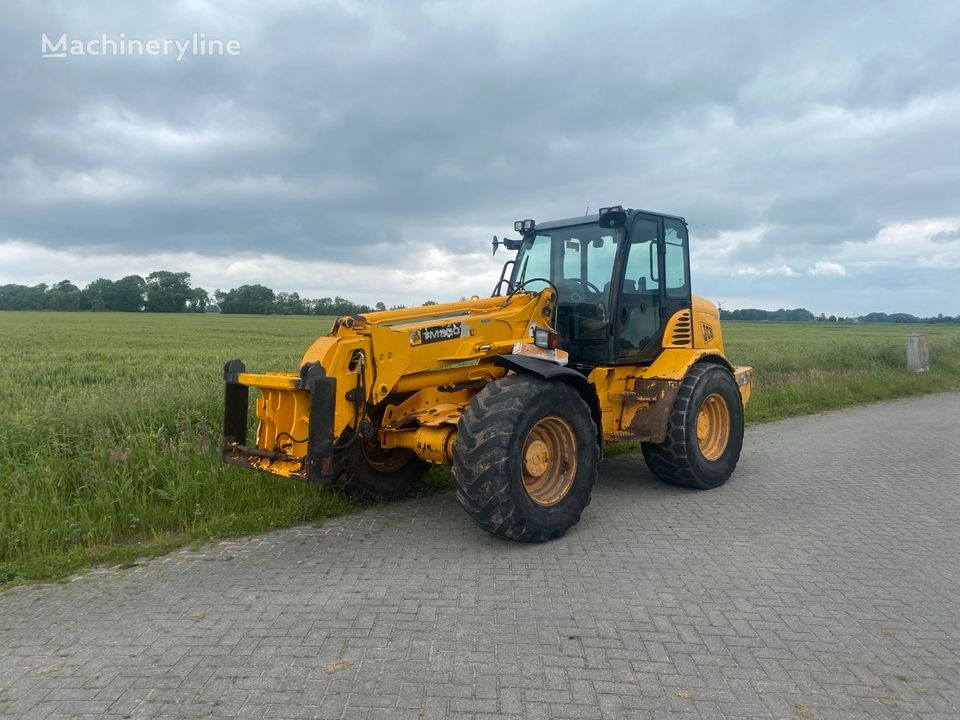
column 821, row 582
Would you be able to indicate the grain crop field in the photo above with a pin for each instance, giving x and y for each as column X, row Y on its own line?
column 109, row 425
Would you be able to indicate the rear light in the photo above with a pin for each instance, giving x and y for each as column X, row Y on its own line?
column 546, row 338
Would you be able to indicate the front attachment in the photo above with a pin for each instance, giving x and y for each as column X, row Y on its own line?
column 295, row 416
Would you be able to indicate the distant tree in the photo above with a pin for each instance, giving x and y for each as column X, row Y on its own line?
column 430, row 302
column 197, row 300
column 168, row 291
column 129, row 294
column 99, row 294
column 342, row 306
column 63, row 295
column 802, row 314
column 291, row 304
column 798, row 315
column 338, row 306
column 247, row 299
column 23, row 297
column 893, row 318
column 379, row 307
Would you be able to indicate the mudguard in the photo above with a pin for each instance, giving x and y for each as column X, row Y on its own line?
column 523, row 364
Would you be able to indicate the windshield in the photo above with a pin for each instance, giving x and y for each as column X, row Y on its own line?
column 577, row 259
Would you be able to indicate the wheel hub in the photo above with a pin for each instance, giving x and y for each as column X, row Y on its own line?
column 549, row 461
column 385, row 461
column 713, row 427
column 536, row 460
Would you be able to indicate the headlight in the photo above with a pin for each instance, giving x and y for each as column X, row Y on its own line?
column 546, row 338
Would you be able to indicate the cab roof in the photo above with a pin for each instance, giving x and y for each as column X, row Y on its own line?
column 595, row 217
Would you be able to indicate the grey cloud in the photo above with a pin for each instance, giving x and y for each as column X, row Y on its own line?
column 341, row 129
column 947, row 236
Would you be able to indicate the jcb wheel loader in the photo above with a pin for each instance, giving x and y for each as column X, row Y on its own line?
column 590, row 337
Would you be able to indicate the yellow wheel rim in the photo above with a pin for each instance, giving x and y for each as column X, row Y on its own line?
column 713, row 427
column 549, row 461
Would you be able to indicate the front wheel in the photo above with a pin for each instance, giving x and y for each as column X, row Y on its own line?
column 705, row 431
column 369, row 472
column 525, row 458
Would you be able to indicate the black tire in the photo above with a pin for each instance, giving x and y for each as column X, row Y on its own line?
column 679, row 460
column 366, row 472
column 488, row 457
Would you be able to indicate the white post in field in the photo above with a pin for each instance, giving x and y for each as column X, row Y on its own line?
column 918, row 354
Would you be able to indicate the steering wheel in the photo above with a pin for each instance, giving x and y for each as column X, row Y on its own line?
column 586, row 284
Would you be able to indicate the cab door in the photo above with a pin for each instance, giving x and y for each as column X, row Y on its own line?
column 653, row 284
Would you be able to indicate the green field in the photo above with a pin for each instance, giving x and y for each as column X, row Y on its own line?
column 109, row 430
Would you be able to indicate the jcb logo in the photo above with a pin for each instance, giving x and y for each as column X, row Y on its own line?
column 707, row 331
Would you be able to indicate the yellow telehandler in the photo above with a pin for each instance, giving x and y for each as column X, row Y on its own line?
column 591, row 336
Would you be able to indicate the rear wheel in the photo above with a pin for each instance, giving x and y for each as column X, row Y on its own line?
column 525, row 458
column 705, row 431
column 367, row 471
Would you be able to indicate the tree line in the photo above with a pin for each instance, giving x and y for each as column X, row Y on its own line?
column 172, row 292
column 804, row 315
column 160, row 291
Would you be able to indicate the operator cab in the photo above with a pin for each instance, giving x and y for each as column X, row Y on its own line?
column 619, row 276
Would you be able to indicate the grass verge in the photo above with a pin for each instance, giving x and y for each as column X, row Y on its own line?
column 317, row 505
column 109, row 435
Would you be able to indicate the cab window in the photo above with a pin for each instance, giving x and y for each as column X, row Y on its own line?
column 535, row 262
column 675, row 253
column 572, row 262
column 638, row 316
column 641, row 272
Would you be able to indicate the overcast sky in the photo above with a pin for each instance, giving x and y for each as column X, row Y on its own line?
column 371, row 150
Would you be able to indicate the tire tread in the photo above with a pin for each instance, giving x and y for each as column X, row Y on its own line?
column 670, row 460
column 481, row 458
